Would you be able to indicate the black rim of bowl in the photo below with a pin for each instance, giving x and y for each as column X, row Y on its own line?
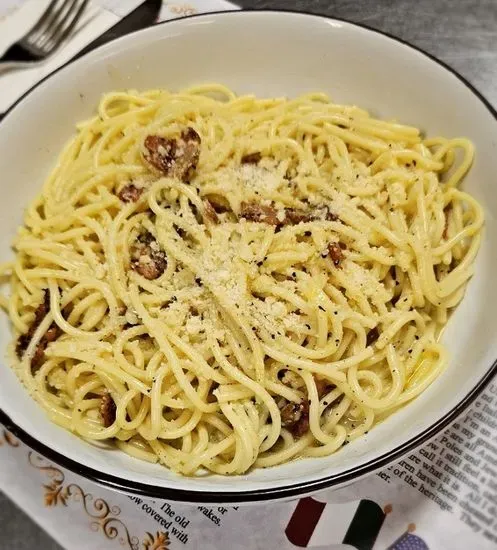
column 286, row 491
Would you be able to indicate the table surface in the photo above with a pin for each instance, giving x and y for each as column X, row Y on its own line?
column 463, row 33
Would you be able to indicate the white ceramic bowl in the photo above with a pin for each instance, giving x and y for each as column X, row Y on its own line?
column 269, row 54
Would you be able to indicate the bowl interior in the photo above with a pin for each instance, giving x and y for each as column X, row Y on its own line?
column 268, row 54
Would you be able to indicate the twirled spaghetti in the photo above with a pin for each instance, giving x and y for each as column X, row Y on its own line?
column 220, row 282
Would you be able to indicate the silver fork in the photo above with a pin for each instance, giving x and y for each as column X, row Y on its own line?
column 53, row 27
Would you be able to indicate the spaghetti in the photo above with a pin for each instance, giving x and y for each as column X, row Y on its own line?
column 218, row 282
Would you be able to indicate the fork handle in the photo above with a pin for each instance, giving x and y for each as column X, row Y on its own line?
column 16, row 57
column 17, row 53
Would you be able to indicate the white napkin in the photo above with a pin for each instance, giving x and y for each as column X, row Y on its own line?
column 18, row 16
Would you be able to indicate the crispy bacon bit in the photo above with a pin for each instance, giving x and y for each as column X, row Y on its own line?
column 372, row 336
column 108, row 410
column 336, row 254
column 255, row 212
column 294, row 216
column 323, row 386
column 147, row 258
column 130, row 193
column 38, row 354
column 219, row 204
column 50, row 336
column 209, row 214
column 295, row 417
column 22, row 344
column 291, row 216
column 252, row 158
column 42, row 309
column 40, row 312
column 52, row 333
column 176, row 158
column 161, row 152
